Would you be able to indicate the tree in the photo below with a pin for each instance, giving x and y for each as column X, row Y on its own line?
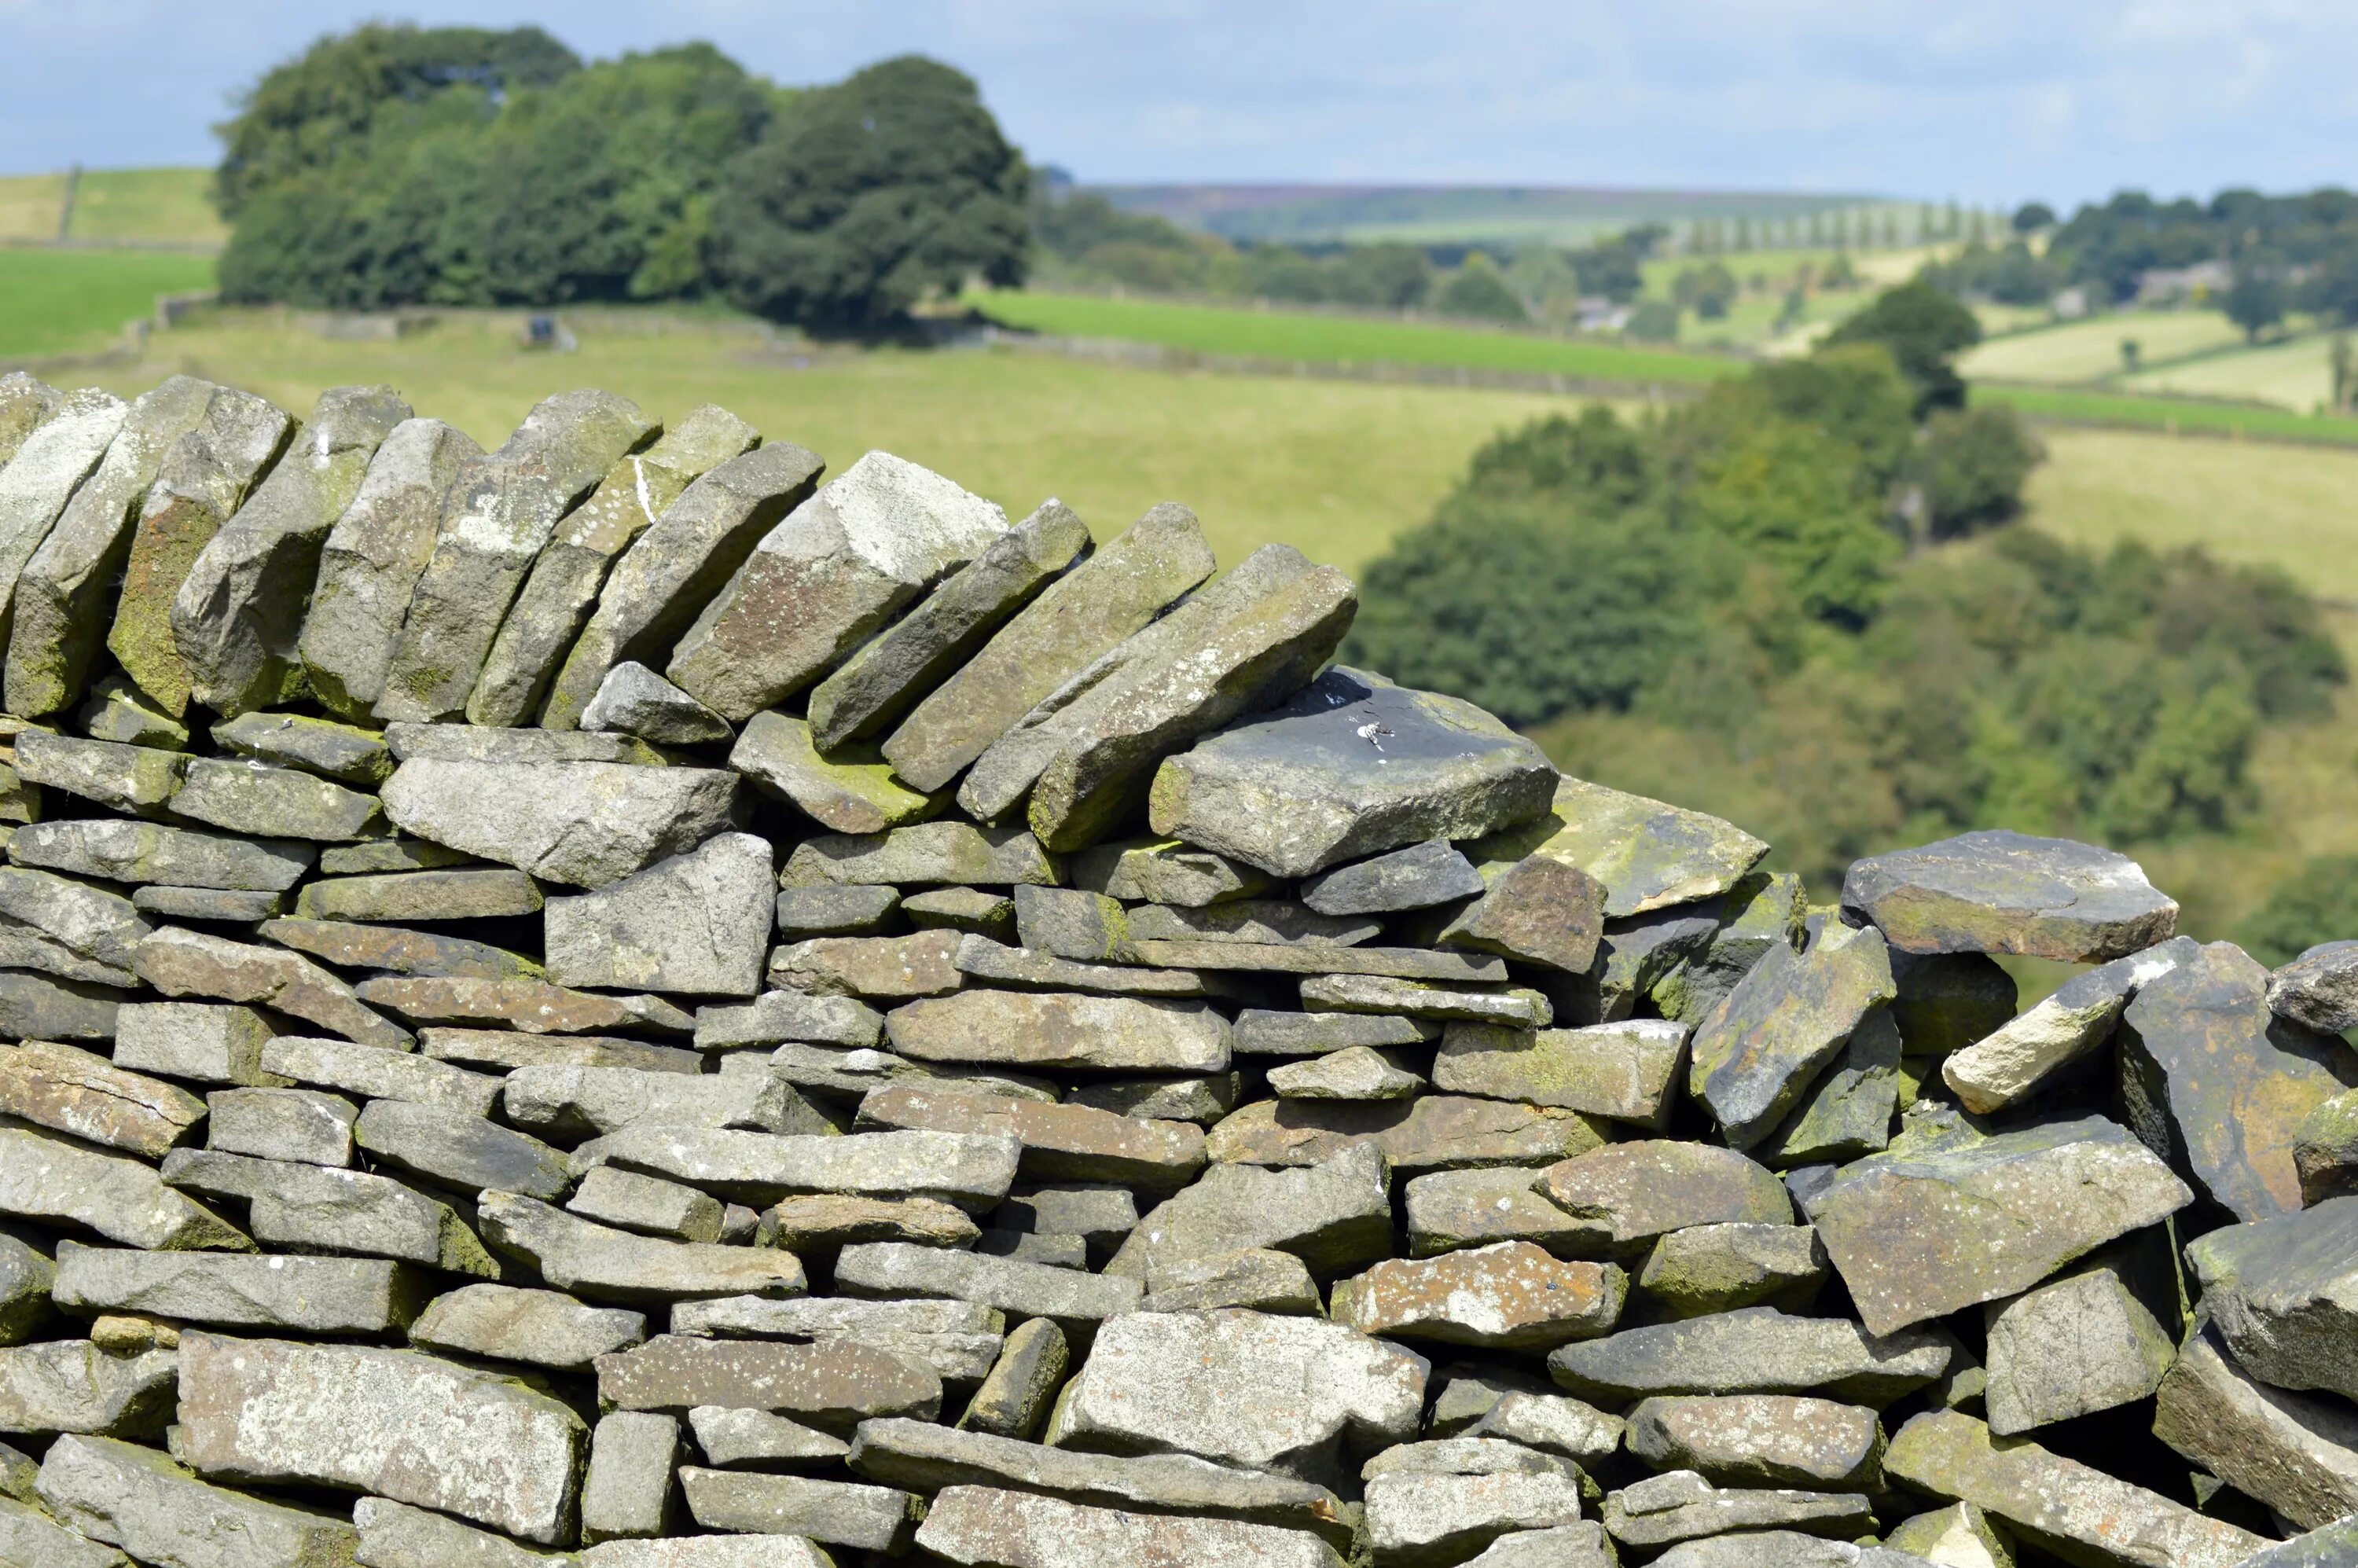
column 1654, row 321
column 1388, row 275
column 2317, row 903
column 1973, row 464
column 869, row 195
column 1706, row 290
column 2342, row 362
column 1924, row 328
column 2255, row 300
column 1477, row 290
column 2033, row 216
column 308, row 115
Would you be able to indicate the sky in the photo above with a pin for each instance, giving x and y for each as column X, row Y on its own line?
column 1991, row 101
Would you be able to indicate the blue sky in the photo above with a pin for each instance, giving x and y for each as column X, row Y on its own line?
column 1993, row 101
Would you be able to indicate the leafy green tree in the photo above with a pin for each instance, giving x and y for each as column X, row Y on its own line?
column 1925, row 328
column 869, row 195
column 1478, row 290
column 1706, row 290
column 2033, row 216
column 1654, row 321
column 2255, row 299
column 1973, row 464
column 304, row 117
column 1596, row 459
column 1790, row 495
column 1385, row 276
column 2318, row 902
column 1280, row 272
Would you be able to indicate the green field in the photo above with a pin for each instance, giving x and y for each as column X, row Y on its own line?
column 2296, row 373
column 1465, row 213
column 2089, row 351
column 1302, row 336
column 115, row 207
column 2170, row 414
column 61, row 301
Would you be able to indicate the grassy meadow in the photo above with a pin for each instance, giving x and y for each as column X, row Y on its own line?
column 115, row 207
column 57, row 301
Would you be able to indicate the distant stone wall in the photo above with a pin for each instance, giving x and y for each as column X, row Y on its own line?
column 620, row 1001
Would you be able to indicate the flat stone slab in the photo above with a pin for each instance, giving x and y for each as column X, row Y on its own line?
column 1435, row 1133
column 357, row 944
column 1289, row 1394
column 535, row 1007
column 946, row 854
column 1920, row 1236
column 164, row 1513
column 698, row 922
column 1077, row 1302
column 45, row 1177
column 182, row 963
column 1761, row 1439
column 1627, row 1071
column 263, row 800
column 73, row 1091
column 1999, row 892
column 986, row 1527
column 545, row 1328
column 153, row 853
column 959, row 1340
column 464, row 894
column 634, row 700
column 586, row 823
column 1350, row 766
column 1399, row 963
column 1334, row 1216
column 1060, row 1142
column 1625, row 1195
column 318, row 1208
column 2296, row 1452
column 1432, row 1001
column 2057, row 1503
column 1649, row 855
column 409, row 1427
column 1052, row 1032
column 973, row 1172
column 1416, row 878
column 303, row 1295
column 596, row 1261
column 833, row 1382
column 2284, row 1295
column 1756, row 1350
column 1511, row 1296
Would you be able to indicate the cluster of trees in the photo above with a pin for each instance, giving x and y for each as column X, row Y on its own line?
column 462, row 166
column 1721, row 606
column 2286, row 253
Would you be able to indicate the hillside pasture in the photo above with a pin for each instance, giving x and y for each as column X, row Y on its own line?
column 66, row 301
column 2090, row 350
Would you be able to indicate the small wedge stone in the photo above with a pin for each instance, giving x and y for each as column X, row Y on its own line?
column 545, row 1328
column 634, row 700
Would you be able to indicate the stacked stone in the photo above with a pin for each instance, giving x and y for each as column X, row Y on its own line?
column 616, row 1001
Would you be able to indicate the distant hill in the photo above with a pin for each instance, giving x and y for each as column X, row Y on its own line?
column 135, row 207
column 1439, row 214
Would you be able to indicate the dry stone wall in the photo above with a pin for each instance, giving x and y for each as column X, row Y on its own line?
column 632, row 1001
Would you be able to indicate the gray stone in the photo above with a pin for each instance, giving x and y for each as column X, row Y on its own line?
column 880, row 968
column 376, row 855
column 409, row 1427
column 459, row 1149
column 118, row 710
column 698, row 922
column 515, row 748
column 1081, row 616
column 1782, row 1549
column 74, row 1385
column 1537, row 909
column 1998, row 892
column 1626, row 1195
column 72, row 1091
column 322, row 746
column 1416, row 878
column 558, row 596
column 1627, row 1071
column 2070, row 1347
column 64, row 591
column 393, row 1535
column 2058, row 1504
column 318, row 1208
column 1104, row 1216
column 959, row 1340
column 972, row 1172
column 496, row 516
column 2296, row 1452
column 759, row 1440
column 30, row 1536
column 1467, row 1391
column 1260, row 1032
column 1293, row 791
column 1648, row 856
column 674, row 568
column 471, row 893
column 1423, row 1519
column 1208, row 1383
column 1061, row 1031
column 1075, row 1301
column 590, row 824
column 1025, row 969
column 1959, row 1536
column 1847, row 1112
column 260, row 800
column 1326, row 963
column 510, row 1049
column 301, row 1295
column 1756, row 1056
column 1708, row 1269
column 208, row 904
column 1164, row 871
column 377, row 1072
column 635, row 700
column 2330, row 1547
column 834, row 1513
column 1555, row 1422
column 35, row 1007
column 826, row 577
column 1920, row 1235
column 45, row 1177
column 362, row 946
column 1416, row 999
column 1253, row 1278
column 1067, row 1142
column 2320, row 988
column 302, row 1125
column 545, row 1328
column 159, row 1511
column 709, row 1552
column 135, row 779
column 1437, row 1132
column 1564, row 1546
column 1448, row 1209
column 577, row 1101
column 237, row 619
column 47, row 471
column 1756, row 1350
column 152, row 852
column 851, row 792
column 647, row 1204
column 2216, row 1084
column 2284, row 1295
column 26, row 404
column 986, row 1528
column 953, row 854
column 778, row 1016
column 830, row 910
column 1511, row 1295
column 1251, row 921
column 1761, row 1440
column 902, row 663
column 833, row 1382
column 182, row 963
column 594, row 1261
column 205, row 1041
column 627, row 1492
column 371, row 560
column 1013, row 1398
column 1716, row 1512
column 1353, row 1073
column 26, row 1278
column 1949, row 1000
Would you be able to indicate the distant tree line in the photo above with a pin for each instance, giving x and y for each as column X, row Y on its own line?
column 1731, row 604
column 397, row 165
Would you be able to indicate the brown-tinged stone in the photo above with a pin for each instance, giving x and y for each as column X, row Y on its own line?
column 1437, row 1132
column 1511, row 1296
column 833, row 1383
